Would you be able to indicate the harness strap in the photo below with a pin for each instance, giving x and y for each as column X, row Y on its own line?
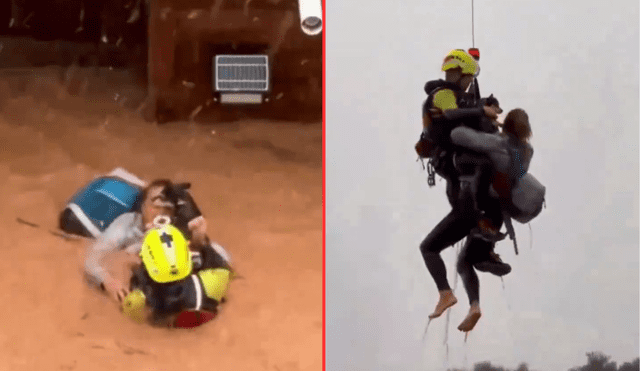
column 199, row 292
column 431, row 180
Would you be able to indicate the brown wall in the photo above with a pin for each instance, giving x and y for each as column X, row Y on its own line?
column 181, row 45
column 183, row 42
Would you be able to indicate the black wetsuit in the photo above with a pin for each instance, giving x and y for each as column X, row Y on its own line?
column 475, row 250
column 463, row 216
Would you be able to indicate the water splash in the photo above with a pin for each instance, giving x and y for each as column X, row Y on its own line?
column 448, row 315
column 446, row 336
column 246, row 8
column 448, row 318
column 424, row 336
column 215, row 10
column 285, row 25
column 504, row 291
column 446, row 361
column 466, row 353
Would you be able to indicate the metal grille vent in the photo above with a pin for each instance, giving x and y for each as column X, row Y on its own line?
column 241, row 73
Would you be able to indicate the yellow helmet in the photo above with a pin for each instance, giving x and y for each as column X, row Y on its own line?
column 165, row 254
column 459, row 58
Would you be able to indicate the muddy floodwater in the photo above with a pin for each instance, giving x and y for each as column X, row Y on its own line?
column 259, row 184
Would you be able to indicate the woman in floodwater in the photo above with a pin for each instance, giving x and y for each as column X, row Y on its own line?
column 160, row 198
column 510, row 153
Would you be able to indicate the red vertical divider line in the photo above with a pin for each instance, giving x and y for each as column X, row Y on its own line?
column 324, row 182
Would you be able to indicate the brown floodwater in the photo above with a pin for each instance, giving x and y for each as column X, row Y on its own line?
column 259, row 184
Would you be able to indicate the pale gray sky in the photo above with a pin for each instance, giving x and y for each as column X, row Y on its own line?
column 573, row 66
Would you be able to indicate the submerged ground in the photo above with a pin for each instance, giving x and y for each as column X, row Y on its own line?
column 259, row 183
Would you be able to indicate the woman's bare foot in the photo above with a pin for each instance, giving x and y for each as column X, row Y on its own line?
column 471, row 319
column 447, row 300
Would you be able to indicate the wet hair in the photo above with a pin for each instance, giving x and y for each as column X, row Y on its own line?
column 167, row 186
column 517, row 125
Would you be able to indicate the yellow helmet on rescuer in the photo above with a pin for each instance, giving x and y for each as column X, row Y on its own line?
column 165, row 254
column 459, row 58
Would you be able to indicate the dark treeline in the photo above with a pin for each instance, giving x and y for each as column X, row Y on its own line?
column 596, row 361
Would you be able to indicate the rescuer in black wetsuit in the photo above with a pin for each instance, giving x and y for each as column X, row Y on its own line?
column 447, row 107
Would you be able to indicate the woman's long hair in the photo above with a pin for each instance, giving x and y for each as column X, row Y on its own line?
column 517, row 125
